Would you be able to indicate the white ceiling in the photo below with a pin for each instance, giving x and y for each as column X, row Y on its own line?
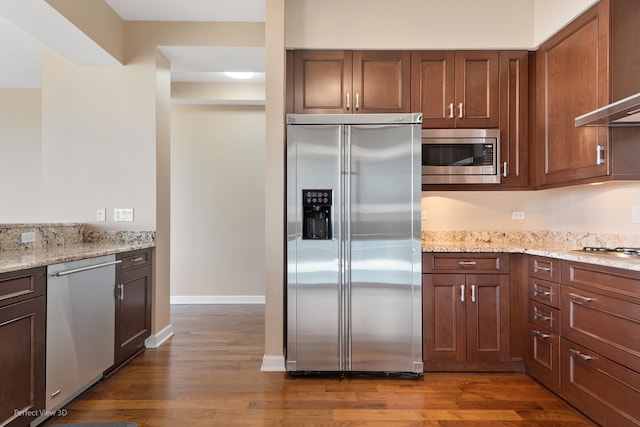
column 20, row 46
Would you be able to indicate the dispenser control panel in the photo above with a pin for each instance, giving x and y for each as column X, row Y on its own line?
column 316, row 197
column 317, row 221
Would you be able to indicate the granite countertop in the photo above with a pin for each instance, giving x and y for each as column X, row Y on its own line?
column 559, row 251
column 19, row 259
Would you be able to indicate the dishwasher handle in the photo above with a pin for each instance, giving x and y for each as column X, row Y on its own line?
column 89, row 267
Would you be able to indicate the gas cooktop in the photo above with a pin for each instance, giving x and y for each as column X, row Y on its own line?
column 620, row 252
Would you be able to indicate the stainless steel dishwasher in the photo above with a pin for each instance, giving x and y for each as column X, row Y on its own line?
column 80, row 326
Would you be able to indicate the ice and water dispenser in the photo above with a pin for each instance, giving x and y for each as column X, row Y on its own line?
column 316, row 214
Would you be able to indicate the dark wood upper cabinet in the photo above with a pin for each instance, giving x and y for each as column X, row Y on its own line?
column 514, row 118
column 456, row 88
column 583, row 67
column 344, row 82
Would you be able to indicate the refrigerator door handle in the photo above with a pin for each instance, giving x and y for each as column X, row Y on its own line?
column 347, row 223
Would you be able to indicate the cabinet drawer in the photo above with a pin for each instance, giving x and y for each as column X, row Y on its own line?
column 544, row 316
column 458, row 262
column 133, row 260
column 604, row 390
column 543, row 356
column 22, row 285
column 604, row 324
column 544, row 292
column 544, row 268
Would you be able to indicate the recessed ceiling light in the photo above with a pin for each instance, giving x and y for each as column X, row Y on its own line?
column 239, row 75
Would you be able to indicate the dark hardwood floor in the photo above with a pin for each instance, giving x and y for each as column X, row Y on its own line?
column 208, row 374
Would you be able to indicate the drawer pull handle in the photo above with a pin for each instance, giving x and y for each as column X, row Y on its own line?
column 576, row 353
column 537, row 268
column 539, row 316
column 140, row 258
column 540, row 293
column 580, row 298
column 540, row 334
column 467, row 263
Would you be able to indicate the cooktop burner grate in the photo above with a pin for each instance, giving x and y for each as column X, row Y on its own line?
column 612, row 251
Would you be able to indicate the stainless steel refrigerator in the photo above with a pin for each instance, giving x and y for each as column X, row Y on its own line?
column 354, row 290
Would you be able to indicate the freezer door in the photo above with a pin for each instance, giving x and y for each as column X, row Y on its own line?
column 313, row 266
column 385, row 291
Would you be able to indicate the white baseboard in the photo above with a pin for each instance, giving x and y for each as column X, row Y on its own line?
column 157, row 339
column 217, row 299
column 273, row 364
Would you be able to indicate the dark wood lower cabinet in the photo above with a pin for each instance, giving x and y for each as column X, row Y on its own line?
column 22, row 346
column 133, row 304
column 604, row 390
column 466, row 313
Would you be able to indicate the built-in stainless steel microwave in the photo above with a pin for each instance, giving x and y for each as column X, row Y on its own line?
column 460, row 156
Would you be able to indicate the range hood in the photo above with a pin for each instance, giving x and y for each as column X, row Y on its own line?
column 625, row 112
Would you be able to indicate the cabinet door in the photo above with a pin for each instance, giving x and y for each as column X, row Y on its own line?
column 133, row 313
column 381, row 81
column 322, row 81
column 476, row 89
column 433, row 87
column 487, row 317
column 22, row 358
column 542, row 356
column 444, row 317
column 514, row 114
column 572, row 80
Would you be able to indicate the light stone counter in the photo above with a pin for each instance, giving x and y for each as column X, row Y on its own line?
column 55, row 243
column 28, row 258
column 555, row 245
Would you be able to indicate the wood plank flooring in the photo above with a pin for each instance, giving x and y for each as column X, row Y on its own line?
column 208, row 374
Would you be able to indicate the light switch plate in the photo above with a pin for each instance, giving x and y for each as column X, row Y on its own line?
column 635, row 214
column 28, row 237
column 123, row 214
column 517, row 215
column 101, row 215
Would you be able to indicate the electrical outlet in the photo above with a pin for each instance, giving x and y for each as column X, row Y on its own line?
column 424, row 215
column 123, row 214
column 517, row 215
column 28, row 237
column 101, row 215
column 635, row 214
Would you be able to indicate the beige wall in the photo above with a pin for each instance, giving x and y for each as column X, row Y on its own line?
column 409, row 24
column 20, row 176
column 551, row 15
column 602, row 208
column 484, row 210
column 98, row 142
column 217, row 209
